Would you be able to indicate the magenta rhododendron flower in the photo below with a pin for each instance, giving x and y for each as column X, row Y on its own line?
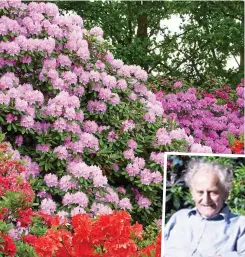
column 205, row 118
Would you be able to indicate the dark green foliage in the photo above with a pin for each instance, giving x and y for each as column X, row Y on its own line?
column 210, row 32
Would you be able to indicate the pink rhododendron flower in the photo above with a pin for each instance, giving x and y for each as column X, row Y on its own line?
column 125, row 204
column 48, row 206
column 129, row 154
column 51, row 180
column 61, row 152
column 99, row 208
column 132, row 144
column 143, row 202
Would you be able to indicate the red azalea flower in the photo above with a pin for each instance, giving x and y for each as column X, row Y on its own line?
column 137, row 230
column 121, row 248
column 3, row 147
column 82, row 225
column 25, row 217
column 237, row 147
column 158, row 245
column 30, row 239
column 104, row 227
column 7, row 245
column 5, row 184
column 101, row 229
column 3, row 212
column 148, row 250
column 66, row 249
column 46, row 246
column 55, row 221
column 63, row 252
column 16, row 184
column 82, row 248
column 51, row 221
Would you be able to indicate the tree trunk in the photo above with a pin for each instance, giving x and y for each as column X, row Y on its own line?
column 242, row 57
column 142, row 23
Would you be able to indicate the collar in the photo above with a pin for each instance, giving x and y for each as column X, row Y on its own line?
column 223, row 214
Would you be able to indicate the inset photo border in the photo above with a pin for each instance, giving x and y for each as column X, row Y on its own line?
column 203, row 205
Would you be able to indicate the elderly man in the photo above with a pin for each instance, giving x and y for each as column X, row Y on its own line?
column 209, row 229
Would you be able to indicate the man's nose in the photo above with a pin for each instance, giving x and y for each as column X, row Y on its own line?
column 206, row 198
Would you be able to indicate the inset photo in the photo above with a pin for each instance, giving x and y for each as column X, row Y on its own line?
column 204, row 211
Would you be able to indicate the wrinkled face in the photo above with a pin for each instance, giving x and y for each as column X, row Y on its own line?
column 207, row 193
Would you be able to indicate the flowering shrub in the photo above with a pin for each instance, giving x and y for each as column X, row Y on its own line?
column 89, row 129
column 211, row 118
column 24, row 232
column 108, row 235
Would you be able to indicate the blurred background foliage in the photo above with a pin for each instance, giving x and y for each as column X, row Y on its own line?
column 209, row 33
column 178, row 195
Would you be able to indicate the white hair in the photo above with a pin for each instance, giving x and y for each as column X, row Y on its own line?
column 223, row 173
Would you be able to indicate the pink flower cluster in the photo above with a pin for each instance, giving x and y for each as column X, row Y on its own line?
column 142, row 201
column 51, row 180
column 63, row 105
column 61, row 152
column 99, row 208
column 86, row 140
column 112, row 136
column 163, row 137
column 31, row 168
column 128, row 125
column 8, row 25
column 78, row 198
column 111, row 196
column 82, row 170
column 137, row 167
column 48, row 206
column 158, row 158
column 25, row 98
column 66, row 183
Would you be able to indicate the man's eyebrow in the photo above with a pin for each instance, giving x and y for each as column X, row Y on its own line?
column 209, row 190
column 214, row 189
